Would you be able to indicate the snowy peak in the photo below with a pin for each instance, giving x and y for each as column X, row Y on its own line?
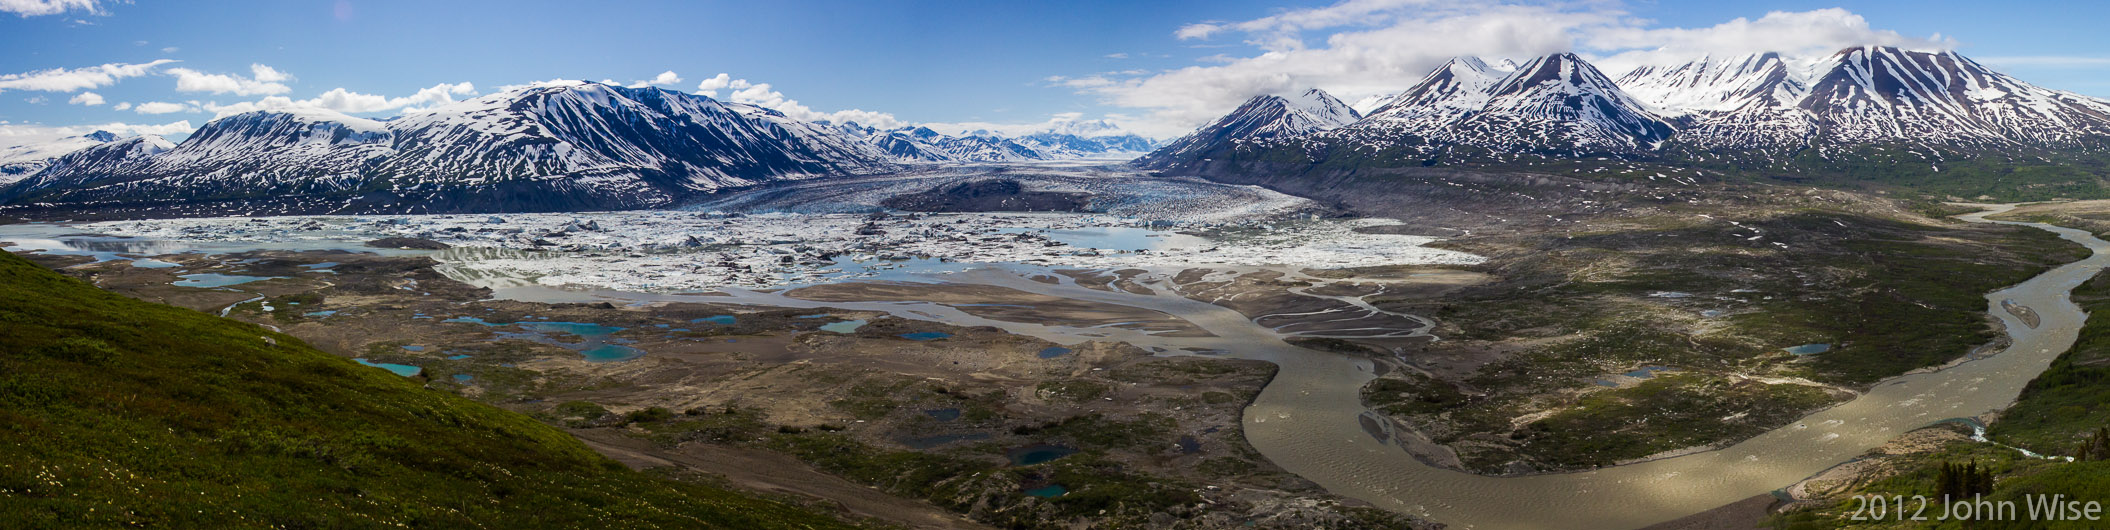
column 1712, row 84
column 1460, row 85
column 1881, row 94
column 1260, row 118
column 1321, row 109
column 1560, row 102
column 271, row 129
column 1556, row 103
column 20, row 161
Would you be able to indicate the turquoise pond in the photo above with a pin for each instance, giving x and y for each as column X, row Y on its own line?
column 722, row 320
column 1049, row 491
column 457, row 357
column 846, row 326
column 1053, row 352
column 1037, row 454
column 594, row 344
column 925, row 335
column 209, row 280
column 319, row 313
column 152, row 264
column 414, row 348
column 463, row 378
column 1810, row 349
column 1647, row 371
column 400, row 369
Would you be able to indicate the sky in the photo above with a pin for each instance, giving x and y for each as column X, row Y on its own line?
column 1158, row 68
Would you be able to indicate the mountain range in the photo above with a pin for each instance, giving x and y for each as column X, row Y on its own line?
column 546, row 147
column 1758, row 109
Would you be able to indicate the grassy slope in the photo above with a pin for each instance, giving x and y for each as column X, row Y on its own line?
column 117, row 412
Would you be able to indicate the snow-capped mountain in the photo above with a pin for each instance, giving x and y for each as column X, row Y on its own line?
column 1880, row 94
column 1866, row 95
column 1761, row 105
column 1557, row 103
column 108, row 158
column 1449, row 94
column 1370, row 104
column 922, row 144
column 545, row 147
column 1260, row 118
column 20, row 161
column 1057, row 146
column 1748, row 102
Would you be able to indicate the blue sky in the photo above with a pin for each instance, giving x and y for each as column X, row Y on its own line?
column 1157, row 67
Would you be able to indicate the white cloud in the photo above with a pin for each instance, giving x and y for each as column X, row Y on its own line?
column 122, row 105
column 346, row 101
column 30, row 8
column 266, row 74
column 664, row 78
column 87, row 98
column 170, row 49
column 161, row 107
column 1122, row 55
column 68, row 80
column 709, row 87
column 1372, row 47
column 762, row 95
column 264, row 81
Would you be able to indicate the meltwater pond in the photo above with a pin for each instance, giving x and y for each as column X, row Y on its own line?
column 593, row 345
column 1810, row 349
column 1038, row 454
column 400, row 369
column 846, row 326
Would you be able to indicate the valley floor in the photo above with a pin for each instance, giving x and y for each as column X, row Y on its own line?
column 1078, row 382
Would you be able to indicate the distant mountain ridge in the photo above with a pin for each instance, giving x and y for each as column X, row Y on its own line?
column 547, row 147
column 20, row 161
column 1759, row 109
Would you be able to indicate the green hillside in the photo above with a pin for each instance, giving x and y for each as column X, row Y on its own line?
column 116, row 412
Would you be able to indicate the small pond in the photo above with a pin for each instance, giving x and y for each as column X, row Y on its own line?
column 1810, row 349
column 846, row 326
column 400, row 369
column 1037, row 454
column 1053, row 352
column 925, row 335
